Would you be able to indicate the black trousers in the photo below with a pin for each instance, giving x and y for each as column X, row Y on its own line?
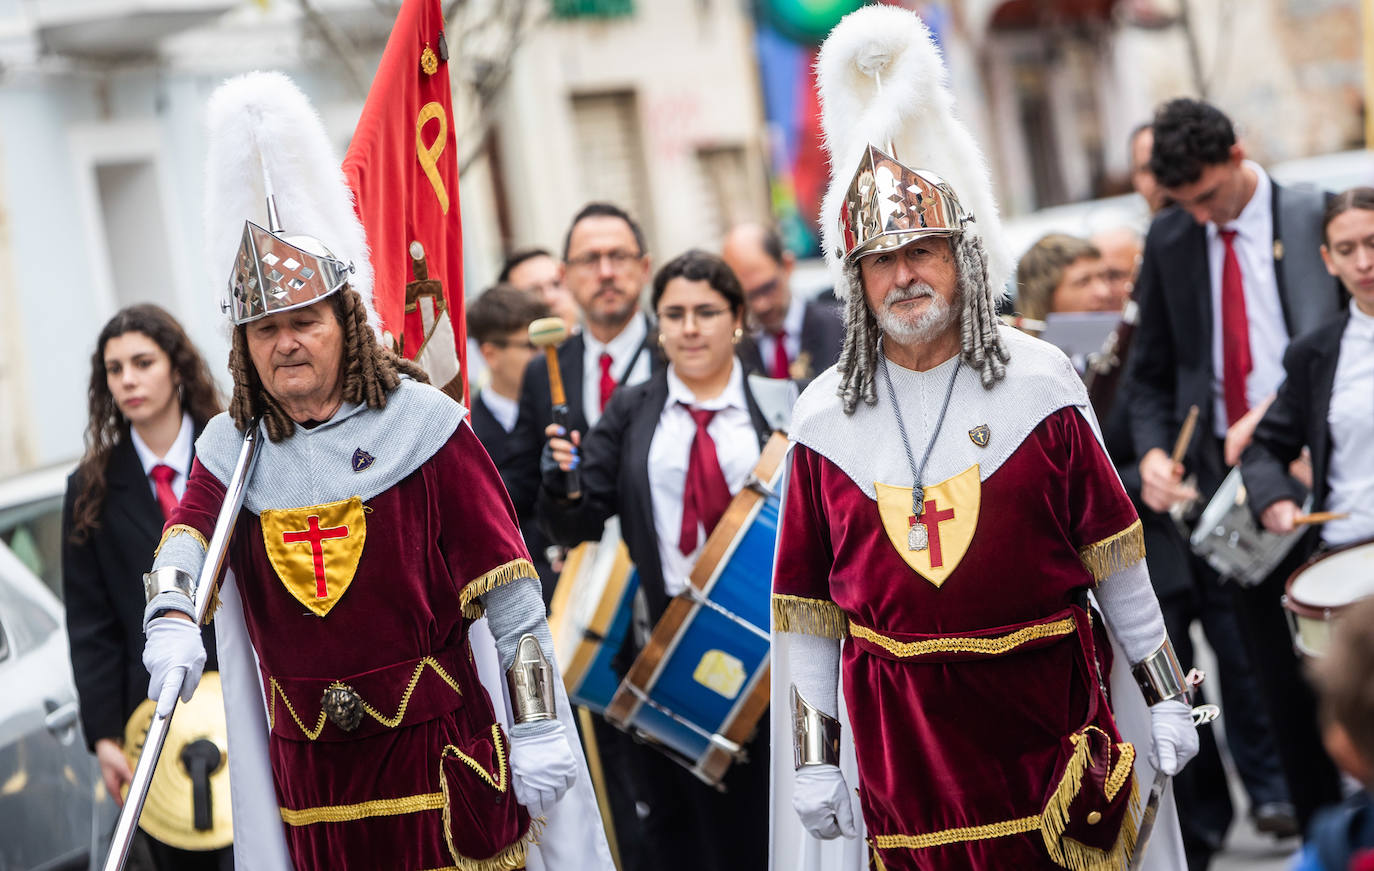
column 149, row 854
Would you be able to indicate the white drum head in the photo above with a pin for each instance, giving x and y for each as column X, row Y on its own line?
column 1336, row 580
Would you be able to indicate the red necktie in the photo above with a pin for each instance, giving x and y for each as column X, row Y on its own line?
column 162, row 476
column 781, row 365
column 607, row 382
column 705, row 495
column 1235, row 333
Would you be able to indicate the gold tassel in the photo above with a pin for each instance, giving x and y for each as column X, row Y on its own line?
column 497, row 577
column 512, row 858
column 1074, row 855
column 1114, row 553
column 808, row 616
column 181, row 529
column 1055, row 817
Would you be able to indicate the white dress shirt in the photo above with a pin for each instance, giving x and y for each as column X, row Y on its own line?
column 792, row 326
column 504, row 410
column 1254, row 244
column 737, row 448
column 622, row 349
column 1350, row 420
column 179, row 456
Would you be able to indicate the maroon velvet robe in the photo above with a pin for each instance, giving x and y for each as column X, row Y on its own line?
column 962, row 744
column 424, row 783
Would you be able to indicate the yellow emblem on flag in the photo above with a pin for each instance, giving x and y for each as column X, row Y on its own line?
column 315, row 550
column 949, row 520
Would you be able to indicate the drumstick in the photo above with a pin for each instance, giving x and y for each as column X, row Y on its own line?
column 1319, row 517
column 1185, row 436
column 547, row 333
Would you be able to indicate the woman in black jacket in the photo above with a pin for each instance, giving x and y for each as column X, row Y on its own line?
column 150, row 394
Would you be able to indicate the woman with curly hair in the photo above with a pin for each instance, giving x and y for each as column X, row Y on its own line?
column 150, row 395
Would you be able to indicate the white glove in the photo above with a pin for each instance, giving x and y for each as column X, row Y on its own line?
column 174, row 656
column 1174, row 736
column 821, row 799
column 542, row 768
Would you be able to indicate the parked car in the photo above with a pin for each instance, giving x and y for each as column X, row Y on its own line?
column 53, row 804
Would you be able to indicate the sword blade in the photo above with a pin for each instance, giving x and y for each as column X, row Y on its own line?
column 1147, row 820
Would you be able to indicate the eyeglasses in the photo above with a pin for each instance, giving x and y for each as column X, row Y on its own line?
column 620, row 259
column 705, row 316
column 762, row 290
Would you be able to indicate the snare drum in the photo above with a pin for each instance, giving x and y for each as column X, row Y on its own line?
column 1228, row 537
column 700, row 686
column 591, row 612
column 1317, row 592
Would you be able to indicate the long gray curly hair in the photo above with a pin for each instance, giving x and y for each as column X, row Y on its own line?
column 980, row 345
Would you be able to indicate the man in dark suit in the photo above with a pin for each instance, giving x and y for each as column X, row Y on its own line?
column 499, row 321
column 1229, row 275
column 791, row 337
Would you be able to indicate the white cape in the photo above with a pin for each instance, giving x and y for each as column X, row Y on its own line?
column 572, row 839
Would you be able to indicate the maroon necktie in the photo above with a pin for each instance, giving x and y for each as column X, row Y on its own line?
column 781, row 365
column 705, row 495
column 162, row 476
column 607, row 381
column 1235, row 333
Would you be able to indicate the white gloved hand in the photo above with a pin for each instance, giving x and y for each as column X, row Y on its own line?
column 542, row 768
column 1173, row 734
column 174, row 656
column 821, row 799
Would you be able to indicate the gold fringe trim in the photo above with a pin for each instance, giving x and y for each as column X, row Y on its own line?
column 497, row 577
column 1071, row 854
column 275, row 690
column 181, row 529
column 957, row 836
column 512, row 858
column 1114, row 553
column 214, row 603
column 993, row 645
column 808, row 616
column 382, row 807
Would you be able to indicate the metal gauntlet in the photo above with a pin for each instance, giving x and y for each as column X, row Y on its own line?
column 1160, row 676
column 815, row 735
column 530, row 680
column 169, row 579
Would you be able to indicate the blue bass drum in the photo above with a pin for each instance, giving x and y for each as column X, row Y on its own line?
column 699, row 687
column 592, row 610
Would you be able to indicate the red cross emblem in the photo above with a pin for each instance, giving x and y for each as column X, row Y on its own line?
column 316, row 537
column 932, row 519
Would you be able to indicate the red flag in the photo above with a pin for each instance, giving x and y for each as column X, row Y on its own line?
column 403, row 167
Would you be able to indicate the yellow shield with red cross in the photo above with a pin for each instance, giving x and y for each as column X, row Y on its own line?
column 947, row 523
column 315, row 550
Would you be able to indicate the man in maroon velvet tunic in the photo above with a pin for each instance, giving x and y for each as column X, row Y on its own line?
column 948, row 510
column 374, row 530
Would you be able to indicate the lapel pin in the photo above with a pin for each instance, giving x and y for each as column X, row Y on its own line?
column 980, row 435
column 362, row 460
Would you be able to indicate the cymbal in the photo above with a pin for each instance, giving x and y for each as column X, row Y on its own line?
column 169, row 812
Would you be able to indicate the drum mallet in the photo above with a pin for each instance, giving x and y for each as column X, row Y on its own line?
column 548, row 333
column 1319, row 518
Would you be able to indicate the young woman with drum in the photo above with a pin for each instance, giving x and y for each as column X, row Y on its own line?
column 150, row 395
column 667, row 456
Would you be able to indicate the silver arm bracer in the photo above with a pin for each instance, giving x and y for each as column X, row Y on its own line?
column 815, row 735
column 530, row 680
column 1159, row 675
column 168, row 579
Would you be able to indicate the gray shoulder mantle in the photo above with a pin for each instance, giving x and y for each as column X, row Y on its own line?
column 358, row 452
column 867, row 445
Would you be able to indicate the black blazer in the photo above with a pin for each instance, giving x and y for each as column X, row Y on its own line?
column 1297, row 417
column 615, row 480
column 520, row 470
column 489, row 431
column 1171, row 367
column 822, row 336
column 102, row 583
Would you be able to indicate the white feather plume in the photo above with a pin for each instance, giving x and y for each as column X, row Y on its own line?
column 882, row 80
column 261, row 119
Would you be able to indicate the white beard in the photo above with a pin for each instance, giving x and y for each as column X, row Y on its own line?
column 930, row 323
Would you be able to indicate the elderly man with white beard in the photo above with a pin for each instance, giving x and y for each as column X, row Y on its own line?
column 949, row 508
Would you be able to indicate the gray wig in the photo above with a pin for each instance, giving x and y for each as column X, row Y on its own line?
column 980, row 345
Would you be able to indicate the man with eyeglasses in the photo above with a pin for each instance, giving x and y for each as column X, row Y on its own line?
column 605, row 266
column 791, row 337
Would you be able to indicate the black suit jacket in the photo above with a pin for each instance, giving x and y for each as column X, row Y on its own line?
column 822, row 336
column 615, row 480
column 1171, row 364
column 520, row 470
column 102, row 584
column 1297, row 417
